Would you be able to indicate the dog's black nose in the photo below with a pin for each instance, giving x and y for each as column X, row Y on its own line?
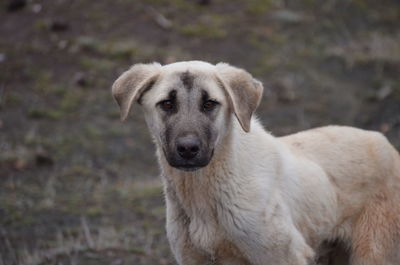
column 188, row 146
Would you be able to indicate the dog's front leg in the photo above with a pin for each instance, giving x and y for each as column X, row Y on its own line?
column 272, row 241
column 274, row 248
column 177, row 232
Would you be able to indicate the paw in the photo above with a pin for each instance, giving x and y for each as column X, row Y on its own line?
column 306, row 257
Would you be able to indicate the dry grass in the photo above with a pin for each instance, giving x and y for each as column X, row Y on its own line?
column 77, row 184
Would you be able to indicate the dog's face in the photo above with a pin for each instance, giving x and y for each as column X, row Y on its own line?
column 188, row 106
column 186, row 112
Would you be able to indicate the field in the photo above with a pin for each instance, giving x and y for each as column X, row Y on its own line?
column 77, row 186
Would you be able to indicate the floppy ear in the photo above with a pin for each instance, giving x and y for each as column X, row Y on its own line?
column 131, row 85
column 243, row 90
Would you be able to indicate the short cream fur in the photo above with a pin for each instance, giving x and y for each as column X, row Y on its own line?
column 265, row 200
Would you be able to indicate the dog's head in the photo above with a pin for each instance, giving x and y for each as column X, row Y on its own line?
column 188, row 106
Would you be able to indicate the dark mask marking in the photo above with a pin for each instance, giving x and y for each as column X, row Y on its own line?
column 204, row 96
column 187, row 80
column 166, row 115
column 172, row 95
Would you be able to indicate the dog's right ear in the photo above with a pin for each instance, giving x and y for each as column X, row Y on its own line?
column 243, row 90
column 131, row 85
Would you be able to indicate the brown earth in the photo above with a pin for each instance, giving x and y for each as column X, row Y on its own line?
column 79, row 187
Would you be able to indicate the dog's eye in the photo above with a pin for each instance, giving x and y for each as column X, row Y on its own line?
column 209, row 105
column 167, row 105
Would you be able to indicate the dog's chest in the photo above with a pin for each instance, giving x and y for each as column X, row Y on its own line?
column 207, row 234
column 203, row 227
column 204, row 233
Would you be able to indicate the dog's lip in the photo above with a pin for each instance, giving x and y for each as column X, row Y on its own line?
column 188, row 168
column 187, row 165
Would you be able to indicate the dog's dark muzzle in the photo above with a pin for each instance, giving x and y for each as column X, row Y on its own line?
column 188, row 154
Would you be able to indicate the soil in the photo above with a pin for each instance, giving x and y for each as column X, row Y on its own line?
column 80, row 187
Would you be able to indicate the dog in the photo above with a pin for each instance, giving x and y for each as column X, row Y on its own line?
column 236, row 195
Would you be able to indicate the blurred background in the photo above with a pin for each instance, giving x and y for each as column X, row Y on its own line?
column 77, row 186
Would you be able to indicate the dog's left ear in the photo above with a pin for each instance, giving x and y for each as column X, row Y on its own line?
column 243, row 90
column 131, row 85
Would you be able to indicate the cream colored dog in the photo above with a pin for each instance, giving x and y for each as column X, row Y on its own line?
column 235, row 194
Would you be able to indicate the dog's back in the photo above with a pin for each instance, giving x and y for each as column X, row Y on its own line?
column 354, row 159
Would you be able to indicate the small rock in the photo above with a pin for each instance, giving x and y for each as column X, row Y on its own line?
column 204, row 2
column 163, row 261
column 160, row 19
column 62, row 44
column 285, row 90
column 42, row 158
column 384, row 92
column 59, row 25
column 36, row 8
column 80, row 79
column 15, row 5
column 385, row 127
column 20, row 164
column 2, row 57
column 287, row 16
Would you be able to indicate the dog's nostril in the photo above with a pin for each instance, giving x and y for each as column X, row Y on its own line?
column 188, row 147
column 194, row 149
column 181, row 149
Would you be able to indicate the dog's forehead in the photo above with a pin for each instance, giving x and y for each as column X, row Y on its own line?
column 187, row 72
column 188, row 77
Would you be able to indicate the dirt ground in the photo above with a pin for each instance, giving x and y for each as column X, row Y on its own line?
column 77, row 186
